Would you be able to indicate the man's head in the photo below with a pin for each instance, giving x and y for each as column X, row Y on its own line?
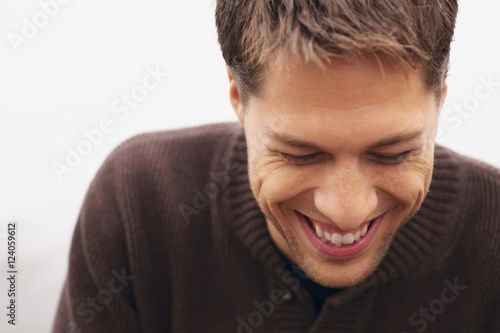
column 340, row 101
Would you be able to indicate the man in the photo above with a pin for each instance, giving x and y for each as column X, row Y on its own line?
column 330, row 209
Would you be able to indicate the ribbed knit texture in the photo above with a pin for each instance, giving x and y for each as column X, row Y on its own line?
column 206, row 263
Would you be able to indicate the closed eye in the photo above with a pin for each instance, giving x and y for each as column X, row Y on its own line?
column 391, row 159
column 298, row 160
column 379, row 158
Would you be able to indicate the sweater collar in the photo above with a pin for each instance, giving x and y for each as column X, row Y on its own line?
column 418, row 246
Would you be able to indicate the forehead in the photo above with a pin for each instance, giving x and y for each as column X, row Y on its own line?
column 349, row 82
column 363, row 100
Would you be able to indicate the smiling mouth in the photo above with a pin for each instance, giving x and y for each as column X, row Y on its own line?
column 338, row 239
column 335, row 247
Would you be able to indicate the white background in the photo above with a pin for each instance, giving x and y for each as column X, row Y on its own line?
column 65, row 78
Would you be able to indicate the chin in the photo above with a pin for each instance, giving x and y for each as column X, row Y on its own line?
column 342, row 274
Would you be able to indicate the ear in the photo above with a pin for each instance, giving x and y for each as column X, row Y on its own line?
column 445, row 92
column 234, row 97
column 445, row 86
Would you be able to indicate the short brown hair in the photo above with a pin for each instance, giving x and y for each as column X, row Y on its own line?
column 251, row 32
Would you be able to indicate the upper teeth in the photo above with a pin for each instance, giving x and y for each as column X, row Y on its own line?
column 338, row 239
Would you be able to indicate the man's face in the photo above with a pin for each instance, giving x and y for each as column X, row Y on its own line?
column 344, row 153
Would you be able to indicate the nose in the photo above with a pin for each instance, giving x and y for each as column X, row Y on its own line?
column 347, row 195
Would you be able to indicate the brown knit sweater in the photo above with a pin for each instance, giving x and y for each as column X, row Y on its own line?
column 170, row 239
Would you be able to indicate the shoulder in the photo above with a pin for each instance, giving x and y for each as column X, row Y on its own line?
column 482, row 191
column 153, row 176
column 478, row 181
column 182, row 153
column 479, row 209
column 477, row 176
column 177, row 144
column 145, row 180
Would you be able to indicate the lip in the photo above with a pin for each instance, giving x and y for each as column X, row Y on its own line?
column 331, row 228
column 344, row 251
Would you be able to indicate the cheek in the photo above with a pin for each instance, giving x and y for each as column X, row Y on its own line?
column 406, row 183
column 276, row 184
column 276, row 181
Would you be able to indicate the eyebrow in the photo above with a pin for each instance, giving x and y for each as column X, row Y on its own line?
column 403, row 137
column 291, row 141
